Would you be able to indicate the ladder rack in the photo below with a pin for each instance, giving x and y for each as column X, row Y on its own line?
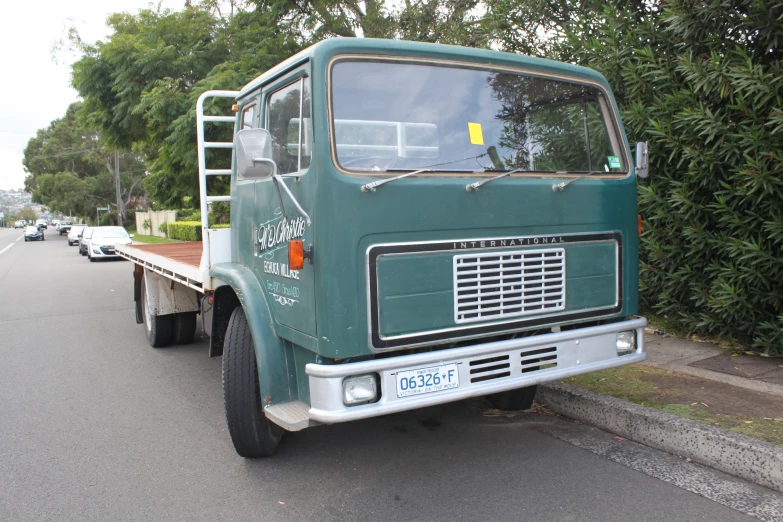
column 203, row 171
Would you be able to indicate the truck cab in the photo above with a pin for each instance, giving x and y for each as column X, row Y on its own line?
column 414, row 224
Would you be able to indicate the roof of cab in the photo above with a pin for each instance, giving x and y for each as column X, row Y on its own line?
column 334, row 46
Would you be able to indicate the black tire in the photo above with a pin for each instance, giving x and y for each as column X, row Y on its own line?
column 26, row 240
column 92, row 259
column 157, row 327
column 184, row 328
column 253, row 435
column 514, row 400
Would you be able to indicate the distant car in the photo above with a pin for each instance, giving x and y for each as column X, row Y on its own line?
column 74, row 233
column 19, row 224
column 33, row 234
column 41, row 223
column 103, row 240
column 55, row 223
column 84, row 240
column 64, row 227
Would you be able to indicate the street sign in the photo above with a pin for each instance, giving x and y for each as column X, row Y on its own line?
column 103, row 208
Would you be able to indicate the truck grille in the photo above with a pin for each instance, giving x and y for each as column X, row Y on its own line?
column 509, row 284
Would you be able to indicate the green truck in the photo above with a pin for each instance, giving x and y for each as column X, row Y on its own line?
column 411, row 224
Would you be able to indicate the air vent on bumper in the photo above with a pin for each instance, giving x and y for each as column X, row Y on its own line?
column 501, row 366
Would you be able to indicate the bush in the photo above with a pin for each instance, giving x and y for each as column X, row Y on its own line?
column 188, row 215
column 185, row 230
column 163, row 228
column 109, row 218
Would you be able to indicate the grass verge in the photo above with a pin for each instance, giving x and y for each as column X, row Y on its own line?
column 152, row 240
column 688, row 397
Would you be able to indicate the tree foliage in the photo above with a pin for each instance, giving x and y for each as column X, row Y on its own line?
column 70, row 172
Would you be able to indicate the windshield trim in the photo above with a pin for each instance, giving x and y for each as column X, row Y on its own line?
column 608, row 107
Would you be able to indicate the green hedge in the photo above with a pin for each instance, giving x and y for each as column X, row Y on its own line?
column 185, row 230
column 702, row 83
column 188, row 230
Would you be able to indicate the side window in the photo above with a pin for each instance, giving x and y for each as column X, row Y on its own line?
column 249, row 117
column 287, row 107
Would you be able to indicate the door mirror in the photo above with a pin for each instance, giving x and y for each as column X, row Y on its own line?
column 642, row 160
column 132, row 235
column 254, row 154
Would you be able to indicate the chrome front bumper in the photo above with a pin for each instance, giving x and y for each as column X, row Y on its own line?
column 576, row 352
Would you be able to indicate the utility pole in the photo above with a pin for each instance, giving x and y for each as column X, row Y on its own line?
column 117, row 184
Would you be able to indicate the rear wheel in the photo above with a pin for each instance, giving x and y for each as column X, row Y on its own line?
column 184, row 328
column 157, row 327
column 251, row 432
column 514, row 400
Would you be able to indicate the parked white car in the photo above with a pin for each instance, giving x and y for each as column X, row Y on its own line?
column 101, row 244
column 74, row 233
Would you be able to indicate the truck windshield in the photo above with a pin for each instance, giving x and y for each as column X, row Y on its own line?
column 391, row 116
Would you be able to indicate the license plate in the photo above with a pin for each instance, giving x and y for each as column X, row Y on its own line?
column 427, row 380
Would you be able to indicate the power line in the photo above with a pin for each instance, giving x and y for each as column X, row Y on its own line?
column 64, row 154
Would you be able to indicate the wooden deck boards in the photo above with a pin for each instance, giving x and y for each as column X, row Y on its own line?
column 188, row 252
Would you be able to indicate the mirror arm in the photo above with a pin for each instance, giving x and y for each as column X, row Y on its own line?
column 278, row 182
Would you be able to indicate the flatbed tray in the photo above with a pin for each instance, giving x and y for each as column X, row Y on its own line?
column 178, row 261
column 187, row 252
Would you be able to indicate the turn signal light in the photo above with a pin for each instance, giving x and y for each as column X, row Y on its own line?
column 296, row 255
column 640, row 224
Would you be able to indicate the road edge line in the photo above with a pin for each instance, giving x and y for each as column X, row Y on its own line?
column 733, row 453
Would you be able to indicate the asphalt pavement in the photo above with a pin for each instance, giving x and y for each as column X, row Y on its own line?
column 96, row 425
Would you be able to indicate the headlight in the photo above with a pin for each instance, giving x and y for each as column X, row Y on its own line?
column 96, row 250
column 626, row 342
column 360, row 389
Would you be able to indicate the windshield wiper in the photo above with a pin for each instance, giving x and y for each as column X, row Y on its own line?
column 371, row 187
column 478, row 184
column 557, row 187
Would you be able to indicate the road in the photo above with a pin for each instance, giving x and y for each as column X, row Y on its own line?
column 96, row 425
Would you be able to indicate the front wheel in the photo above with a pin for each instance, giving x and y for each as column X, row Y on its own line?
column 514, row 400
column 251, row 432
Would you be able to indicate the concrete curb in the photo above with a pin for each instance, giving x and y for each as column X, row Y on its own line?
column 739, row 455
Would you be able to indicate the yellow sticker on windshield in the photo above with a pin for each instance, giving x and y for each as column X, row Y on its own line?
column 476, row 136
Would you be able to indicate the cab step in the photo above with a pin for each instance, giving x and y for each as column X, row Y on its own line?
column 292, row 416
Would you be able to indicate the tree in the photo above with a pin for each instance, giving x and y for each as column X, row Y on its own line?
column 70, row 172
column 140, row 86
column 27, row 214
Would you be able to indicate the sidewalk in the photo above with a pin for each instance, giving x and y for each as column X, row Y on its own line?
column 707, row 361
column 701, row 382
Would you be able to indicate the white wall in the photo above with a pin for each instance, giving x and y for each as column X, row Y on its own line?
column 156, row 218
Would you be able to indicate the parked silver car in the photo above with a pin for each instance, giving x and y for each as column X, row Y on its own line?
column 84, row 240
column 103, row 240
column 74, row 234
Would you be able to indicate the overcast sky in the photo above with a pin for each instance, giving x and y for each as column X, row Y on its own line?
column 34, row 89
